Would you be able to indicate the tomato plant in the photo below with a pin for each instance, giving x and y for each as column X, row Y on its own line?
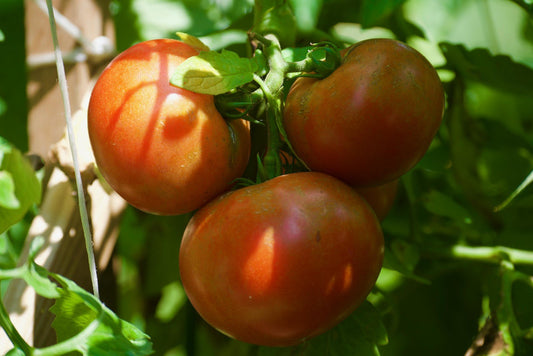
column 372, row 119
column 279, row 262
column 290, row 258
column 166, row 150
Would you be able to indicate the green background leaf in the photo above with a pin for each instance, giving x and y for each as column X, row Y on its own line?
column 26, row 190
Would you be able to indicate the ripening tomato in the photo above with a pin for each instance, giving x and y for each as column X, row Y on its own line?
column 164, row 149
column 372, row 119
column 381, row 197
column 282, row 261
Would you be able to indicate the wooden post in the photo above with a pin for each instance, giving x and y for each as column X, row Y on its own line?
column 59, row 220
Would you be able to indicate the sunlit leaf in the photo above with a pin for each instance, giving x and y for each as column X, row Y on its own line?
column 192, row 41
column 172, row 300
column 19, row 187
column 214, row 73
column 8, row 199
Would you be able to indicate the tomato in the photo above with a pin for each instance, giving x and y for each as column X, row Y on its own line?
column 164, row 149
column 282, row 261
column 381, row 197
column 372, row 119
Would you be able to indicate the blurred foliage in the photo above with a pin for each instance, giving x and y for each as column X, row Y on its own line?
column 13, row 100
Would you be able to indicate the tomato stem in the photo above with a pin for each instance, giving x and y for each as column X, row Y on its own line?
column 17, row 340
column 490, row 254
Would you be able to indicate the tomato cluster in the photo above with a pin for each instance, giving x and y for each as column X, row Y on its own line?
column 279, row 261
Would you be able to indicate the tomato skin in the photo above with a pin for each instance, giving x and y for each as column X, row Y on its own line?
column 164, row 149
column 372, row 119
column 282, row 261
column 381, row 198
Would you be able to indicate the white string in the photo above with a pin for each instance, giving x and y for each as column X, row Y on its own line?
column 70, row 133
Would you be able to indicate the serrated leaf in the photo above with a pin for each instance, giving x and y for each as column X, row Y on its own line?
column 360, row 334
column 497, row 71
column 17, row 178
column 76, row 309
column 192, row 41
column 214, row 73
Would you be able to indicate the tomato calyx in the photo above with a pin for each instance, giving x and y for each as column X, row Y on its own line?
column 322, row 59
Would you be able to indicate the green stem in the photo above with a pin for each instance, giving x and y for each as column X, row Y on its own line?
column 488, row 254
column 12, row 333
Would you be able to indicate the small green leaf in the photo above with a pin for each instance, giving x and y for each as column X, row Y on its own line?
column 214, row 73
column 8, row 199
column 172, row 300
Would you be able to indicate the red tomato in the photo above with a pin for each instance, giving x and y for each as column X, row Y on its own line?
column 166, row 150
column 282, row 261
column 372, row 119
column 381, row 197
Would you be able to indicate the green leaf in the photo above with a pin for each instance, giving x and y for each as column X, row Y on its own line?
column 137, row 20
column 307, row 12
column 498, row 71
column 214, row 73
column 526, row 5
column 173, row 298
column 37, row 277
column 360, row 334
column 76, row 309
column 8, row 199
column 19, row 187
column 372, row 11
column 15, row 352
column 440, row 204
